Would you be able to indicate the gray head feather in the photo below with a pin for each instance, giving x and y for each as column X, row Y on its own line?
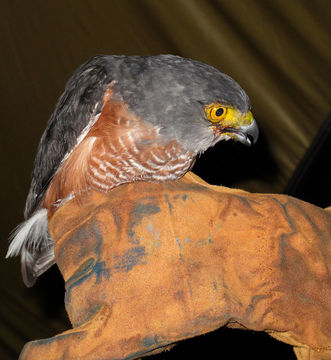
column 168, row 91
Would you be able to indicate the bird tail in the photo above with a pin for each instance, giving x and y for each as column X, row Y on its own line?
column 32, row 240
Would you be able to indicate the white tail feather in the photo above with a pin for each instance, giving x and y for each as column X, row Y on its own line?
column 29, row 233
column 32, row 240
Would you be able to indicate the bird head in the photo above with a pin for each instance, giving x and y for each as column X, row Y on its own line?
column 189, row 101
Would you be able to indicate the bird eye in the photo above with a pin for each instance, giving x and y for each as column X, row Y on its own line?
column 215, row 112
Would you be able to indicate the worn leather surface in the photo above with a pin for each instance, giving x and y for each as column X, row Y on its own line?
column 148, row 265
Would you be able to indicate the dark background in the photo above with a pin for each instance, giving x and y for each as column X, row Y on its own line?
column 279, row 51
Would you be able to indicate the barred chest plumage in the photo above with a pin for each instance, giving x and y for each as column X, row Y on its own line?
column 117, row 163
column 120, row 148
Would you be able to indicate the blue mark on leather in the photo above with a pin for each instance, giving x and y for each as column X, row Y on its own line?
column 180, row 250
column 149, row 341
column 145, row 207
column 169, row 203
column 93, row 265
column 129, row 259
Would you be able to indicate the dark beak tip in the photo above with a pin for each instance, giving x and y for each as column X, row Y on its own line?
column 253, row 134
column 252, row 140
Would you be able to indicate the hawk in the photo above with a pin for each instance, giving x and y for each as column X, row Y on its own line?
column 123, row 119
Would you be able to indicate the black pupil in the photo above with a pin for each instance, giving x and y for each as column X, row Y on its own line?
column 219, row 112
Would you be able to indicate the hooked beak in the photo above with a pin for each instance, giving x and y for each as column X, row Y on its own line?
column 242, row 128
column 247, row 135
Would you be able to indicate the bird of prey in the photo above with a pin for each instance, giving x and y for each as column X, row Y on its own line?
column 123, row 119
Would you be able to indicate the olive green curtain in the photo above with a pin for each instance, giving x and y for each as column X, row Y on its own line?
column 278, row 50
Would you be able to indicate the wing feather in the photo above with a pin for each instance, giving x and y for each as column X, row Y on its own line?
column 75, row 113
column 80, row 102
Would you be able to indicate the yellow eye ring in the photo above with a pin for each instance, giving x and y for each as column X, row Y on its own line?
column 215, row 113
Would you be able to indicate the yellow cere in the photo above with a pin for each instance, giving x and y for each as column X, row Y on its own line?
column 227, row 116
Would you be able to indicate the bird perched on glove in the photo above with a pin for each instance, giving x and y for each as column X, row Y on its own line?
column 123, row 119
